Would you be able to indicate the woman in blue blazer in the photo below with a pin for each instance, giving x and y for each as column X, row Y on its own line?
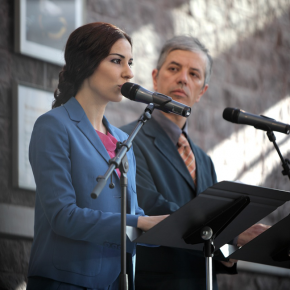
column 77, row 239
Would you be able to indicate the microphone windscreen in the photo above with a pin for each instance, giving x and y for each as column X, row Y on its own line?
column 231, row 114
column 129, row 90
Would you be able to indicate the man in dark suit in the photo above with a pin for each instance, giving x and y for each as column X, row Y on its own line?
column 164, row 182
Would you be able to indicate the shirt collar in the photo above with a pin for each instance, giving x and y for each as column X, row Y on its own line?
column 170, row 128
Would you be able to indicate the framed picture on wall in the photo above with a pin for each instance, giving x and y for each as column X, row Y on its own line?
column 43, row 26
column 28, row 103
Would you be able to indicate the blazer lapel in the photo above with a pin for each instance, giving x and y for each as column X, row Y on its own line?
column 77, row 114
column 163, row 143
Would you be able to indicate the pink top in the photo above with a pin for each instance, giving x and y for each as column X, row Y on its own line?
column 109, row 142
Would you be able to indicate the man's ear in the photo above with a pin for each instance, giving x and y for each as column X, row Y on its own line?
column 202, row 93
column 154, row 78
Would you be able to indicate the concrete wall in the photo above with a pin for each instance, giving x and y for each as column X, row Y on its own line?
column 250, row 43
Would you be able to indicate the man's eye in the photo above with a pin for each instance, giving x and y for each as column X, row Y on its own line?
column 116, row 61
column 172, row 68
column 130, row 64
column 194, row 74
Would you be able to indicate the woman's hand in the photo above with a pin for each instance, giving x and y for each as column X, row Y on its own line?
column 145, row 223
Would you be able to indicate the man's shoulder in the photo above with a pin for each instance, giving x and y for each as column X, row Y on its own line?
column 147, row 134
column 150, row 128
column 129, row 127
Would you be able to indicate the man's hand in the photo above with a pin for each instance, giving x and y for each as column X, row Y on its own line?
column 230, row 263
column 245, row 237
column 145, row 223
column 251, row 233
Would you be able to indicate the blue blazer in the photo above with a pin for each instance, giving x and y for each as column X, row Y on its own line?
column 77, row 238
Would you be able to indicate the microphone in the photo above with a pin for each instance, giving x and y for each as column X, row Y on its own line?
column 162, row 102
column 259, row 122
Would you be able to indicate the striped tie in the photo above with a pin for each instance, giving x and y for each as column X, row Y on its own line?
column 187, row 156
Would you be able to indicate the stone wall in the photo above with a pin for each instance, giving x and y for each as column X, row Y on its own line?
column 250, row 43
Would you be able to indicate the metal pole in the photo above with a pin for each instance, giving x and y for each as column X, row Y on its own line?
column 209, row 285
column 124, row 167
column 207, row 236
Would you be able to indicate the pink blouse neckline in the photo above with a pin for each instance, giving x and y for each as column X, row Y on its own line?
column 110, row 143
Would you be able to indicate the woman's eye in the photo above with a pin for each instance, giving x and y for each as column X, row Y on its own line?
column 116, row 61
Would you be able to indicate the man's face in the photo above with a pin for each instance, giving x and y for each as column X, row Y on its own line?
column 182, row 76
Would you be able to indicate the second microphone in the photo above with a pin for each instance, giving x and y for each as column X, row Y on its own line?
column 162, row 102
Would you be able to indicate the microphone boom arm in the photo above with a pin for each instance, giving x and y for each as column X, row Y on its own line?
column 285, row 162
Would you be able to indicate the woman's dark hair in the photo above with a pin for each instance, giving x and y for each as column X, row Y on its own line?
column 86, row 47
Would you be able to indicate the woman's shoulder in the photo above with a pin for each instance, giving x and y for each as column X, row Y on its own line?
column 53, row 120
column 58, row 113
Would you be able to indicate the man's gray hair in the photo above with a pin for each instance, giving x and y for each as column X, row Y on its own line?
column 188, row 43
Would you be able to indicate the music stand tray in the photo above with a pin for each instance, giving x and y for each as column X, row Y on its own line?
column 213, row 200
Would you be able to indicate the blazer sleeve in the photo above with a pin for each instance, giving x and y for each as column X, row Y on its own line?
column 49, row 155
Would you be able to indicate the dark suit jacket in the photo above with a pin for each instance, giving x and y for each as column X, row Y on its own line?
column 163, row 186
column 77, row 238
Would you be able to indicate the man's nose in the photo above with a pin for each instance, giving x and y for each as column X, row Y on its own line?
column 182, row 77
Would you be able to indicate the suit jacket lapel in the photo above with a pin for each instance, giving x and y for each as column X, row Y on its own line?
column 163, row 143
column 77, row 114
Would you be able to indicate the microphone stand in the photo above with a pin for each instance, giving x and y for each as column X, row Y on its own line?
column 285, row 162
column 120, row 161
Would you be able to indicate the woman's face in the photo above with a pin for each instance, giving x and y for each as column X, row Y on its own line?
column 113, row 71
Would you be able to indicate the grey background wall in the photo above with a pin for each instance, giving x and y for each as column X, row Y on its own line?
column 250, row 43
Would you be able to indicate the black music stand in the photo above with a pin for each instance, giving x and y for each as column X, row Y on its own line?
column 227, row 208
